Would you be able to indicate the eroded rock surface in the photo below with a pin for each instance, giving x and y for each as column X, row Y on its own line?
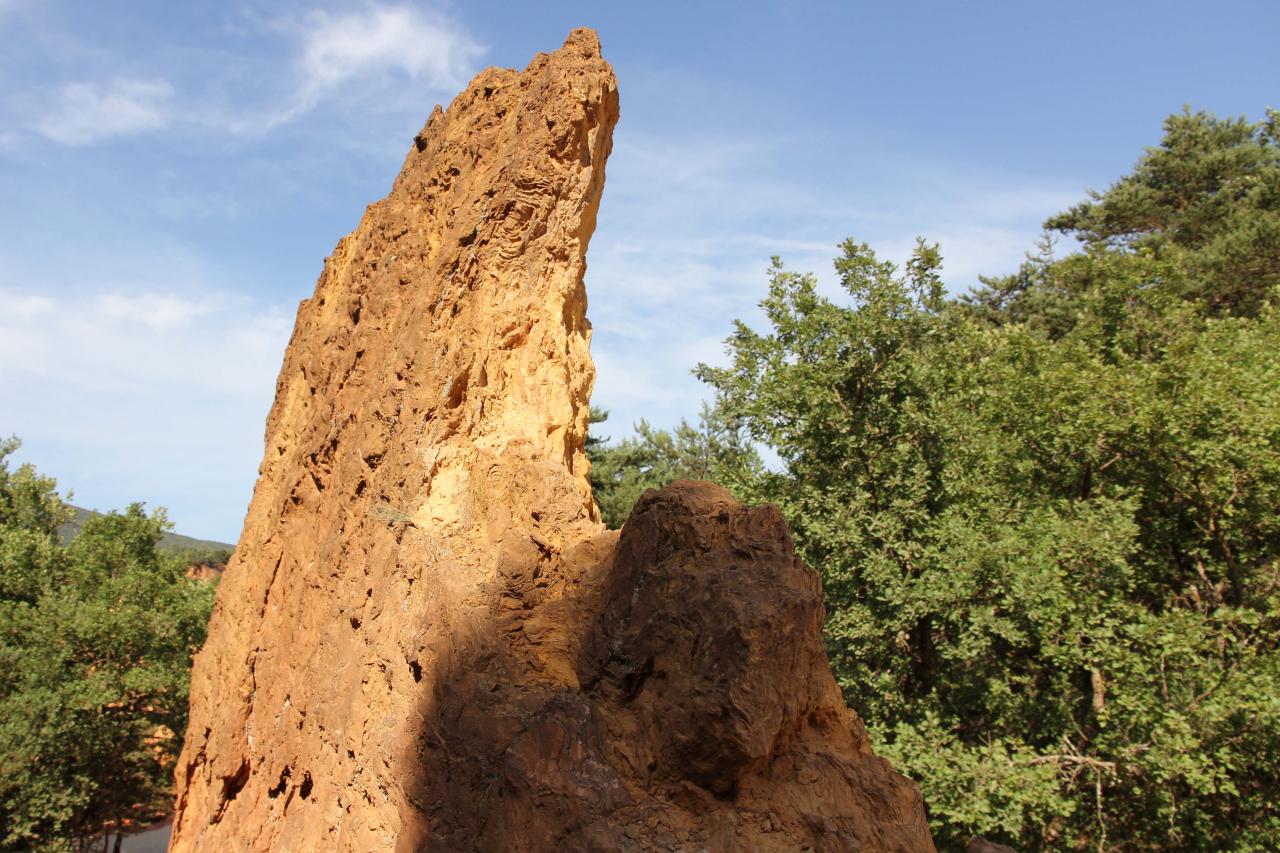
column 426, row 640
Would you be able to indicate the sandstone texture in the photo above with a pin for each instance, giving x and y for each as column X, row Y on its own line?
column 426, row 640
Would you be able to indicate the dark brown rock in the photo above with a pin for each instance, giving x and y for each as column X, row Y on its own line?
column 675, row 697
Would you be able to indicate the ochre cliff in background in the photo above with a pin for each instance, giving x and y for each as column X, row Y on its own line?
column 426, row 640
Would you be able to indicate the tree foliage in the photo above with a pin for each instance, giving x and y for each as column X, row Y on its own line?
column 1048, row 514
column 96, row 639
column 1207, row 200
column 716, row 449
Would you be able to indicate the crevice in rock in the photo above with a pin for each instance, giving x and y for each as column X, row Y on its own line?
column 232, row 785
column 279, row 788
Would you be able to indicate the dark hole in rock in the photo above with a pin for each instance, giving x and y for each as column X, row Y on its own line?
column 233, row 784
column 279, row 787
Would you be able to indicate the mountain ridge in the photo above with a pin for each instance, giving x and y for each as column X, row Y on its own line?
column 169, row 541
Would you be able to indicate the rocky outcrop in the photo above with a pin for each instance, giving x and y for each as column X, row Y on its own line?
column 426, row 640
column 674, row 696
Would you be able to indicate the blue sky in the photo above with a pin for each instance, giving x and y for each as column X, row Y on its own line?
column 174, row 174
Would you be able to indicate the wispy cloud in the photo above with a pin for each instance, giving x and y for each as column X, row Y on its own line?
column 364, row 55
column 160, row 312
column 422, row 45
column 154, row 396
column 359, row 53
column 204, row 343
column 86, row 112
column 26, row 307
column 660, row 303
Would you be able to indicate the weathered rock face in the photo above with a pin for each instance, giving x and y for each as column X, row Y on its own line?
column 426, row 640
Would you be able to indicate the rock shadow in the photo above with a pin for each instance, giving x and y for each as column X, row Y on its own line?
column 665, row 688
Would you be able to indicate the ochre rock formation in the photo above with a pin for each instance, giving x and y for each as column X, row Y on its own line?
column 426, row 640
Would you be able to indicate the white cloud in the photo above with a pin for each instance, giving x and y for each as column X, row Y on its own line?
column 27, row 307
column 688, row 225
column 98, row 340
column 364, row 54
column 86, row 112
column 375, row 43
column 157, row 311
column 386, row 38
column 155, row 396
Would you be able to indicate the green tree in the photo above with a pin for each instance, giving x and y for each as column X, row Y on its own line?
column 1207, row 200
column 96, row 639
column 1048, row 515
column 715, row 449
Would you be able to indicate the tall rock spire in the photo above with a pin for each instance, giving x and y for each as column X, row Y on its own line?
column 426, row 639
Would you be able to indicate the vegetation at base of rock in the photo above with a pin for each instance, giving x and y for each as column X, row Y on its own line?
column 716, row 449
column 1047, row 513
column 96, row 639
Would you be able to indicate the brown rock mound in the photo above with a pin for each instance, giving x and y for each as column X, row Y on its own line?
column 425, row 639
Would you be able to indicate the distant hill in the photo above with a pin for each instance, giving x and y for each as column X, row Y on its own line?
column 174, row 542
